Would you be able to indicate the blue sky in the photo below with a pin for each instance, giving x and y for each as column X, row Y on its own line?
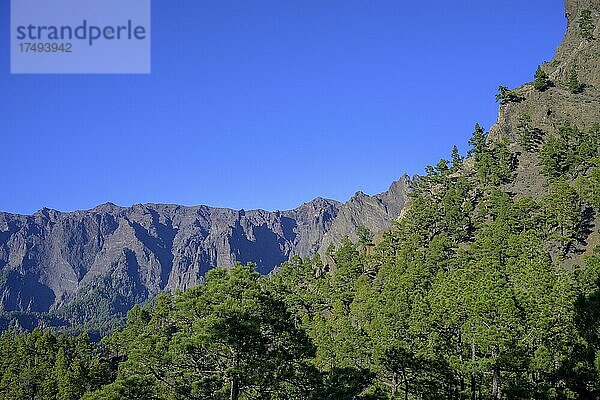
column 268, row 104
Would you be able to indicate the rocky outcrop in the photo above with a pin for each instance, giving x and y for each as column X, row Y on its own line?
column 576, row 52
column 546, row 111
column 371, row 212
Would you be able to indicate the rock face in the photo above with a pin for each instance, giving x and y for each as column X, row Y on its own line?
column 575, row 52
column 104, row 260
column 547, row 111
column 371, row 212
column 76, row 261
column 550, row 109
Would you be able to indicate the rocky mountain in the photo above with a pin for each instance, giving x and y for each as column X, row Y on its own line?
column 97, row 263
column 571, row 99
column 101, row 261
column 371, row 212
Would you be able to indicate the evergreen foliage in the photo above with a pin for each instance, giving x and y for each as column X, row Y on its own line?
column 494, row 163
column 42, row 365
column 466, row 297
column 586, row 25
column 529, row 137
column 571, row 153
column 457, row 160
column 542, row 81
column 506, row 96
column 575, row 86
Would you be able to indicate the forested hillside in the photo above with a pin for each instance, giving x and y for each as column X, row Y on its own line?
column 486, row 287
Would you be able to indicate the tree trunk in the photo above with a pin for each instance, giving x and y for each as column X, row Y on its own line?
column 496, row 393
column 235, row 388
column 406, row 390
column 394, row 385
column 462, row 373
column 495, row 384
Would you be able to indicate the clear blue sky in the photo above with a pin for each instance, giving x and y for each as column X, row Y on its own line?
column 268, row 104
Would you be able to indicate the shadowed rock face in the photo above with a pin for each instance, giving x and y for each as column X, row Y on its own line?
column 51, row 259
column 371, row 212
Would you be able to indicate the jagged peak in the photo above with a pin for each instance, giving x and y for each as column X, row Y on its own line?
column 318, row 201
column 404, row 183
column 47, row 212
column 359, row 195
column 107, row 207
column 579, row 54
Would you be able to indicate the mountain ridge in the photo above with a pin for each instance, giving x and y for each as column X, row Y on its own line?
column 53, row 262
column 50, row 260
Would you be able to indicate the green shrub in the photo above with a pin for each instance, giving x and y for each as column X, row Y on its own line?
column 575, row 86
column 586, row 25
column 542, row 81
column 505, row 96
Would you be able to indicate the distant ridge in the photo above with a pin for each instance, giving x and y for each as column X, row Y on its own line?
column 102, row 261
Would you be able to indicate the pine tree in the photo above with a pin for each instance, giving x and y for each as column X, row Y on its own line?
column 586, row 25
column 478, row 141
column 457, row 160
column 64, row 378
column 365, row 237
column 529, row 137
column 593, row 186
column 575, row 86
column 227, row 336
column 542, row 81
column 563, row 212
column 506, row 96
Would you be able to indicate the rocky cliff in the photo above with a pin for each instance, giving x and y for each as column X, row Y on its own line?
column 106, row 259
column 100, row 262
column 545, row 112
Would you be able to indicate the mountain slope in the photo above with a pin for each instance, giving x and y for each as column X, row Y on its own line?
column 102, row 261
column 111, row 257
column 546, row 113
